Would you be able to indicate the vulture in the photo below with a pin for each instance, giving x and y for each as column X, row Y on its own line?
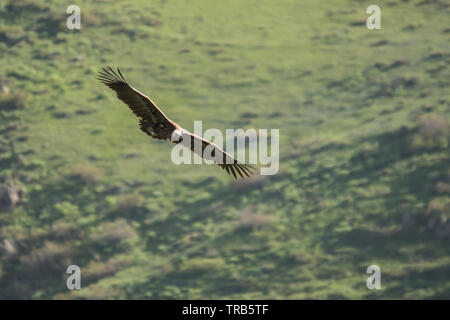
column 156, row 124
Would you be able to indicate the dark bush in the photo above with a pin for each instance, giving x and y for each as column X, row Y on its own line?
column 433, row 133
column 13, row 101
column 87, row 173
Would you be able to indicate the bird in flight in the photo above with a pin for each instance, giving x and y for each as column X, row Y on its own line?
column 156, row 124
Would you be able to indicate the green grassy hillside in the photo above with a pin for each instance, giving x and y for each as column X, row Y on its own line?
column 364, row 150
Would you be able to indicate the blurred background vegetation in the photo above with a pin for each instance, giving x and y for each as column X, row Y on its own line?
column 364, row 150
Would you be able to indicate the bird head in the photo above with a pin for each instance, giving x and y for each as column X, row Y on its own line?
column 177, row 136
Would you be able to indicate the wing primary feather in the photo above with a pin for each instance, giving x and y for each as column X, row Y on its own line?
column 251, row 167
column 104, row 78
column 243, row 170
column 114, row 73
column 110, row 69
column 244, row 167
column 232, row 171
column 107, row 77
column 121, row 74
column 107, row 73
column 238, row 171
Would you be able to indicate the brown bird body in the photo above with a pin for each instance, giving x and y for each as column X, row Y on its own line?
column 156, row 124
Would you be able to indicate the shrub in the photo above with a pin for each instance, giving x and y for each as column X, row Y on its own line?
column 252, row 219
column 433, row 133
column 98, row 292
column 249, row 115
column 438, row 216
column 14, row 101
column 114, row 231
column 399, row 63
column 201, row 265
column 129, row 202
column 439, row 205
column 96, row 270
column 90, row 20
column 390, row 87
column 442, row 188
column 51, row 23
column 67, row 209
column 10, row 35
column 51, row 256
column 9, row 248
column 95, row 292
column 407, row 81
column 20, row 6
column 255, row 182
column 11, row 193
column 87, row 173
column 63, row 230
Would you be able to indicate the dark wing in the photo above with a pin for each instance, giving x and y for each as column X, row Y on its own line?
column 227, row 162
column 151, row 119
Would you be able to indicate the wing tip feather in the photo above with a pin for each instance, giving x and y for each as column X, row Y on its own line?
column 109, row 77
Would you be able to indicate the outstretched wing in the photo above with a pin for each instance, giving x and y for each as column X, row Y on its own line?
column 211, row 151
column 151, row 119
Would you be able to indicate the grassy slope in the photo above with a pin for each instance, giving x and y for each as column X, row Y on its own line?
column 349, row 175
